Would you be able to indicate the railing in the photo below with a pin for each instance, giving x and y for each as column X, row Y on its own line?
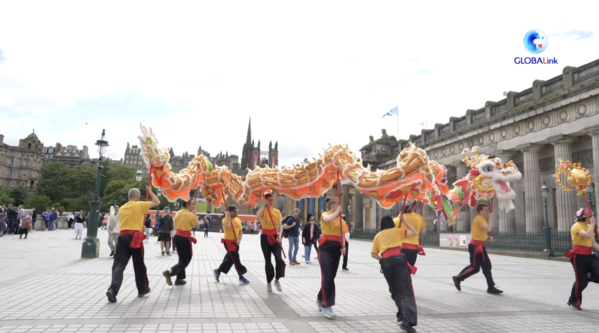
column 505, row 241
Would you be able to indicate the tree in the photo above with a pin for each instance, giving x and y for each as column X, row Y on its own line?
column 116, row 192
column 60, row 209
column 113, row 172
column 81, row 181
column 54, row 181
column 81, row 203
column 40, row 202
column 6, row 199
column 19, row 194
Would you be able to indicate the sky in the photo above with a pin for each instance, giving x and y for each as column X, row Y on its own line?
column 308, row 73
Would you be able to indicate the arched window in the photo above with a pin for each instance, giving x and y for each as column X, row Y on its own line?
column 29, row 145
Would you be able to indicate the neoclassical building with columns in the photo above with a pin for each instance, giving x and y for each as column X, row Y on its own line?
column 553, row 119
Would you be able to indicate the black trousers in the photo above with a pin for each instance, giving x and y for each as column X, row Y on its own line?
column 185, row 252
column 476, row 263
column 121, row 258
column 583, row 265
column 399, row 280
column 232, row 259
column 205, row 232
column 329, row 255
column 346, row 255
column 412, row 255
column 267, row 251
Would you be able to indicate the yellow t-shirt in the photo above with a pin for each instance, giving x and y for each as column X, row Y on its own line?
column 265, row 220
column 387, row 239
column 416, row 221
column 185, row 220
column 229, row 231
column 132, row 215
column 578, row 239
column 330, row 228
column 476, row 230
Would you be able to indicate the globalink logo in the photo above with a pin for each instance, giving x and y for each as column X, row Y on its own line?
column 535, row 42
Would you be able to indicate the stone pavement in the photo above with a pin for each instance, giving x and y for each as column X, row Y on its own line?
column 46, row 287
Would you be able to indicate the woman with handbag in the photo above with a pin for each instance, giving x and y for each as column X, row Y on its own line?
column 25, row 225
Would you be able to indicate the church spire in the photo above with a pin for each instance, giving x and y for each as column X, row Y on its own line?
column 249, row 136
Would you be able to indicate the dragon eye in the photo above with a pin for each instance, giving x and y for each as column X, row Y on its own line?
column 488, row 168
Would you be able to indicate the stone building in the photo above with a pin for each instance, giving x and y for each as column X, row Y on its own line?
column 20, row 165
column 251, row 153
column 69, row 155
column 555, row 118
column 134, row 159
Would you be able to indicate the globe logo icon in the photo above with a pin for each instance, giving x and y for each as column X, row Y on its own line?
column 535, row 41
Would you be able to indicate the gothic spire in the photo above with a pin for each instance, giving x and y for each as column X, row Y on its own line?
column 249, row 136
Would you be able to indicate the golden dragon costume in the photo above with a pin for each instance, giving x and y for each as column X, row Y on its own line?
column 415, row 176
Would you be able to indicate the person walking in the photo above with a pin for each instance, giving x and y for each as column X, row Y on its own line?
column 293, row 226
column 185, row 220
column 164, row 231
column 585, row 263
column 206, row 226
column 130, row 243
column 478, row 253
column 270, row 241
column 79, row 220
column 148, row 227
column 411, row 245
column 113, row 228
column 232, row 240
column 25, row 225
column 20, row 216
column 310, row 237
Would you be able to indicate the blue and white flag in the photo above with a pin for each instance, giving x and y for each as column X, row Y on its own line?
column 392, row 112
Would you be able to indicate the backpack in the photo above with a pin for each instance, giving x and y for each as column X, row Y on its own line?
column 26, row 223
column 286, row 231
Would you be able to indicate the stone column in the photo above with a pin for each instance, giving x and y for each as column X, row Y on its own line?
column 507, row 220
column 463, row 219
column 594, row 133
column 345, row 197
column 565, row 201
column 358, row 211
column 532, row 187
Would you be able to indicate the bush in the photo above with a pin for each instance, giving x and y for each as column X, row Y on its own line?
column 40, row 202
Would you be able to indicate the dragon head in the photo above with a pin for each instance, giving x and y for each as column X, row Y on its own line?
column 489, row 177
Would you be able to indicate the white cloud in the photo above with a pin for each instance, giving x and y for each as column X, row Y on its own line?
column 307, row 73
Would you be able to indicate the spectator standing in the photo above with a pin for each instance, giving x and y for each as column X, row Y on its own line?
column 54, row 219
column 148, row 226
column 293, row 225
column 3, row 226
column 12, row 217
column 33, row 218
column 70, row 220
column 206, row 226
column 24, row 226
column 20, row 216
column 164, row 231
column 310, row 237
column 79, row 220
column 345, row 256
column 47, row 219
column 114, row 228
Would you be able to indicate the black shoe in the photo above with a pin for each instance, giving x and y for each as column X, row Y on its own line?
column 163, row 253
column 494, row 291
column 111, row 253
column 180, row 282
column 167, row 276
column 407, row 327
column 345, row 269
column 144, row 293
column 457, row 282
column 168, row 254
column 111, row 297
column 574, row 306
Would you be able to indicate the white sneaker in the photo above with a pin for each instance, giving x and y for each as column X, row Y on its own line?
column 328, row 312
column 269, row 287
column 278, row 285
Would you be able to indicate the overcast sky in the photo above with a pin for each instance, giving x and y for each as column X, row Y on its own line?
column 309, row 73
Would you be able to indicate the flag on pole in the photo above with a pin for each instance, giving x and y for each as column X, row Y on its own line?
column 392, row 112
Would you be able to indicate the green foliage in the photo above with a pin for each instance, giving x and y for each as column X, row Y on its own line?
column 40, row 202
column 81, row 181
column 19, row 194
column 202, row 207
column 115, row 172
column 54, row 181
column 116, row 192
column 6, row 199
column 81, row 203
column 58, row 207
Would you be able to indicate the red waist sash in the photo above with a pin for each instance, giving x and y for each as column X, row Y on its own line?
column 478, row 247
column 231, row 245
column 395, row 251
column 138, row 237
column 272, row 235
column 409, row 246
column 579, row 249
column 325, row 238
column 421, row 248
column 186, row 234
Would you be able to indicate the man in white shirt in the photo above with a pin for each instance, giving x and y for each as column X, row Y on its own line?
column 346, row 247
column 113, row 228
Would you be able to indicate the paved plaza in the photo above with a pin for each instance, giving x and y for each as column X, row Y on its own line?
column 46, row 287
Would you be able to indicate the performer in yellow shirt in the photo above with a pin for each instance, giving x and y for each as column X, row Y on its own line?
column 411, row 244
column 478, row 254
column 387, row 249
column 130, row 243
column 232, row 240
column 185, row 220
column 329, row 254
column 270, row 220
column 581, row 256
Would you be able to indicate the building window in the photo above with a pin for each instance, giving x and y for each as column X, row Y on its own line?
column 12, row 183
column 24, row 174
column 25, row 162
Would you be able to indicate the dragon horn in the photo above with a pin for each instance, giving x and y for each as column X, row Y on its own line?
column 465, row 158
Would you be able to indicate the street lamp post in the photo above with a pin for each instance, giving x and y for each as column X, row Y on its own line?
column 547, row 228
column 591, row 197
column 138, row 174
column 91, row 244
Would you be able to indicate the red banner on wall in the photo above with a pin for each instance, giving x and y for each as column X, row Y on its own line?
column 255, row 161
